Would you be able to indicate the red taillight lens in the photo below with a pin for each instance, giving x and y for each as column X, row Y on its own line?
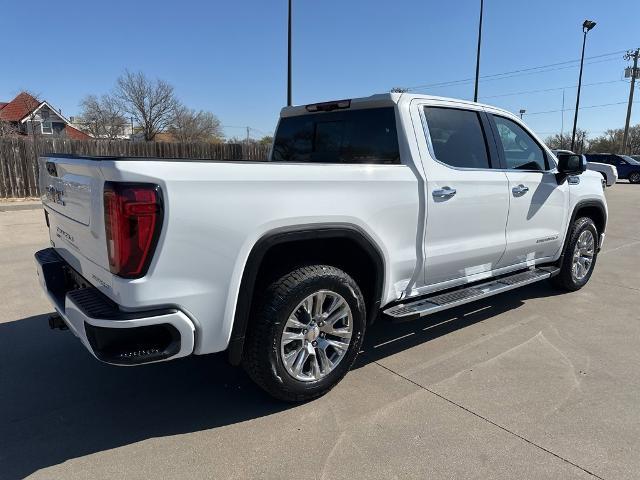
column 132, row 219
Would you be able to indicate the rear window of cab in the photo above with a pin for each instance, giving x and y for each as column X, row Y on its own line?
column 365, row 136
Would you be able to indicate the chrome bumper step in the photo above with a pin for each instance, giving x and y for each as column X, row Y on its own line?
column 438, row 302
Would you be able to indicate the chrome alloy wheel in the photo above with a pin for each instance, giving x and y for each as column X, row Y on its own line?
column 316, row 336
column 583, row 255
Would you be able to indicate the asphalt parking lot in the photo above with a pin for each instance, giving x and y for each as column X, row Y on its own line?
column 529, row 384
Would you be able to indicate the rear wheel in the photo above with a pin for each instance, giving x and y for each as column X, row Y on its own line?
column 634, row 177
column 580, row 255
column 307, row 333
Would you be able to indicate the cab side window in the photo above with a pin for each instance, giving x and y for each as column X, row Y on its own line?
column 457, row 137
column 521, row 151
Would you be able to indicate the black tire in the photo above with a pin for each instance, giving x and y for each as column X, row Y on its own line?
column 634, row 177
column 262, row 358
column 566, row 279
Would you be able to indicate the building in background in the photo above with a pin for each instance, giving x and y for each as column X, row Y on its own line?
column 119, row 131
column 25, row 115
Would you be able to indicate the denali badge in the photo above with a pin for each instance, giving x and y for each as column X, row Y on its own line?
column 54, row 195
column 547, row 239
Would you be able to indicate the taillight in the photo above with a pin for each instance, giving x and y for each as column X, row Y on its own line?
column 132, row 219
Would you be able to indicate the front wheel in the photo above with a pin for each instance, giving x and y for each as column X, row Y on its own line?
column 306, row 334
column 634, row 177
column 579, row 256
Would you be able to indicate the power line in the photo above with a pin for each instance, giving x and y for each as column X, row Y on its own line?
column 551, row 89
column 248, row 130
column 505, row 76
column 571, row 109
column 244, row 127
column 522, row 71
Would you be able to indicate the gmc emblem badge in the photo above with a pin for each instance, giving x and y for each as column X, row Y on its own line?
column 54, row 195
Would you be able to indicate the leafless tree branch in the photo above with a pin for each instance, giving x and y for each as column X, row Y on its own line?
column 151, row 102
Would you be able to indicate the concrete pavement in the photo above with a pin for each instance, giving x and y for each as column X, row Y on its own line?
column 528, row 384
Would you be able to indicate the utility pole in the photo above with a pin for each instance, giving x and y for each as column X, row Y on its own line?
column 289, row 58
column 475, row 91
column 634, row 74
column 248, row 128
column 562, row 123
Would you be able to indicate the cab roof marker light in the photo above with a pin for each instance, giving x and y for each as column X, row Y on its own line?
column 329, row 106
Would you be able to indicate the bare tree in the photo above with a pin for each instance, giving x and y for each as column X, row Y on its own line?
column 267, row 140
column 8, row 128
column 611, row 141
column 189, row 125
column 563, row 142
column 151, row 102
column 102, row 117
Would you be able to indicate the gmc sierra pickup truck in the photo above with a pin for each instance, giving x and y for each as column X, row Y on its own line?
column 393, row 206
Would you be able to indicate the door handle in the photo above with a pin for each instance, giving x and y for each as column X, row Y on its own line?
column 444, row 192
column 520, row 190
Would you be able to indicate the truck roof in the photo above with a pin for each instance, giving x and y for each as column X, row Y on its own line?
column 382, row 100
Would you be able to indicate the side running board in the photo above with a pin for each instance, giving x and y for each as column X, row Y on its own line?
column 438, row 302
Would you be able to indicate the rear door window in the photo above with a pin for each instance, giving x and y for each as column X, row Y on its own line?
column 347, row 136
column 457, row 137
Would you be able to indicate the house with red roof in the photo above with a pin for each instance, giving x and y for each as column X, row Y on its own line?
column 27, row 115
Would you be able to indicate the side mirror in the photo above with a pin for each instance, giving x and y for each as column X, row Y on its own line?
column 570, row 164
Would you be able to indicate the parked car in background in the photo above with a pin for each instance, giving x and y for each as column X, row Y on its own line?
column 628, row 168
column 609, row 172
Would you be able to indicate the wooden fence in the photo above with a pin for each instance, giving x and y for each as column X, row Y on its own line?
column 19, row 165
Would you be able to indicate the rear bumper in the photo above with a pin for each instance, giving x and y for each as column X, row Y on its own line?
column 111, row 334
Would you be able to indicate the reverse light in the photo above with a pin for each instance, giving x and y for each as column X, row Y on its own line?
column 133, row 219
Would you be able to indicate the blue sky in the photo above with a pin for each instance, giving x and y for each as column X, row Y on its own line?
column 230, row 57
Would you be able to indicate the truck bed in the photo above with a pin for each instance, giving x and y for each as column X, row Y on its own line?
column 214, row 213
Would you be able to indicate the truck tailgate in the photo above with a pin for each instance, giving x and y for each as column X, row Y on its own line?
column 72, row 196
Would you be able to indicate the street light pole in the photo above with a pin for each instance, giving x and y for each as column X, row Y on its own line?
column 289, row 57
column 522, row 112
column 586, row 26
column 475, row 91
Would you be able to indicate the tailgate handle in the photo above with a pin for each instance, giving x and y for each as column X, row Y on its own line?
column 52, row 170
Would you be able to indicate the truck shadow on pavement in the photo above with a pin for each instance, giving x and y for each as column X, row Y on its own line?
column 58, row 403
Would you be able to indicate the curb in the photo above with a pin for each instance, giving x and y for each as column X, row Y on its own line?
column 8, row 207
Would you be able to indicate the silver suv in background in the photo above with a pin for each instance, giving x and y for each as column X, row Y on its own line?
column 609, row 172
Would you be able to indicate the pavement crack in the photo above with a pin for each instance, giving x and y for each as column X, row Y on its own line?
column 635, row 289
column 505, row 429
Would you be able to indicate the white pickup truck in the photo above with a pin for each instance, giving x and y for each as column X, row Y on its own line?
column 394, row 206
